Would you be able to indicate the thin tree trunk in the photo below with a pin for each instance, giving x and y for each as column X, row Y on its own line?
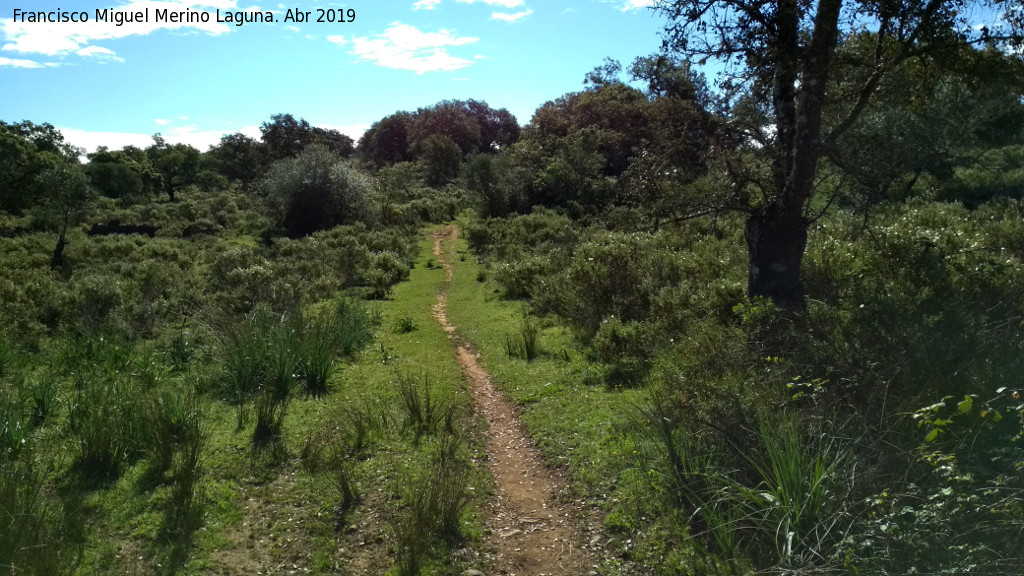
column 57, row 261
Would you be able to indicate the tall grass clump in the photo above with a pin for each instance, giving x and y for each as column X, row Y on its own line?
column 797, row 510
column 105, row 423
column 343, row 330
column 433, row 502
column 42, row 396
column 316, row 354
column 351, row 326
column 524, row 342
column 404, row 325
column 105, row 419
column 780, row 499
column 173, row 422
column 244, row 356
column 266, row 357
column 184, row 514
column 6, row 358
column 180, row 352
column 37, row 536
column 14, row 430
column 425, row 413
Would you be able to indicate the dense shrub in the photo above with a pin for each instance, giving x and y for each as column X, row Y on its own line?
column 314, row 191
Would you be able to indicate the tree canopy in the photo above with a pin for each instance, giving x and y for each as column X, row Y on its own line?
column 781, row 55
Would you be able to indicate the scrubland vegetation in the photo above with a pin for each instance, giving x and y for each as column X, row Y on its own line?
column 224, row 361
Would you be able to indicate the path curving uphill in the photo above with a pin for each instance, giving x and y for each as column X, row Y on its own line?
column 531, row 532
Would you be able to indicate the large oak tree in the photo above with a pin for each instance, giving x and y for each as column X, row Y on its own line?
column 780, row 54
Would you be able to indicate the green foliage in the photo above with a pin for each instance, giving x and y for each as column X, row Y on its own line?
column 387, row 140
column 957, row 111
column 441, row 158
column 351, row 326
column 244, row 349
column 126, row 174
column 321, row 340
column 386, row 270
column 27, row 150
column 42, row 399
column 238, row 157
column 180, row 351
column 314, row 191
column 15, row 432
column 178, row 164
column 67, row 194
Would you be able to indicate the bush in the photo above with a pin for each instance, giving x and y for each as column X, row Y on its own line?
column 386, row 271
column 314, row 191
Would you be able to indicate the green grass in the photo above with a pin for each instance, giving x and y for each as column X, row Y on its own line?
column 583, row 428
column 155, row 470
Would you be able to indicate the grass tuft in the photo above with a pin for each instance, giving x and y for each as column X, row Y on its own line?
column 524, row 343
column 425, row 414
column 404, row 325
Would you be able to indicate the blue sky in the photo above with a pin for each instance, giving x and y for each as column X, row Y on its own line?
column 115, row 85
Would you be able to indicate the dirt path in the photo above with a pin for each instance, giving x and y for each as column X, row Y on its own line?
column 531, row 532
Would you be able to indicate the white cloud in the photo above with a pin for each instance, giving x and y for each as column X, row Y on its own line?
column 63, row 38
column 113, row 140
column 339, row 40
column 405, row 47
column 506, row 17
column 99, row 53
column 292, row 28
column 426, row 4
column 161, row 121
column 353, row 131
column 17, row 63
column 502, row 3
column 201, row 139
column 636, row 4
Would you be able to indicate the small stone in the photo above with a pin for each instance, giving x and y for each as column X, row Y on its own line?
column 472, row 572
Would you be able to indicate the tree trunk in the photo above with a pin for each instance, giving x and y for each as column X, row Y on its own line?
column 777, row 232
column 776, row 240
column 57, row 261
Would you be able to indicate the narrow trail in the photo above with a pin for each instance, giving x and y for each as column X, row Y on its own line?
column 530, row 530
